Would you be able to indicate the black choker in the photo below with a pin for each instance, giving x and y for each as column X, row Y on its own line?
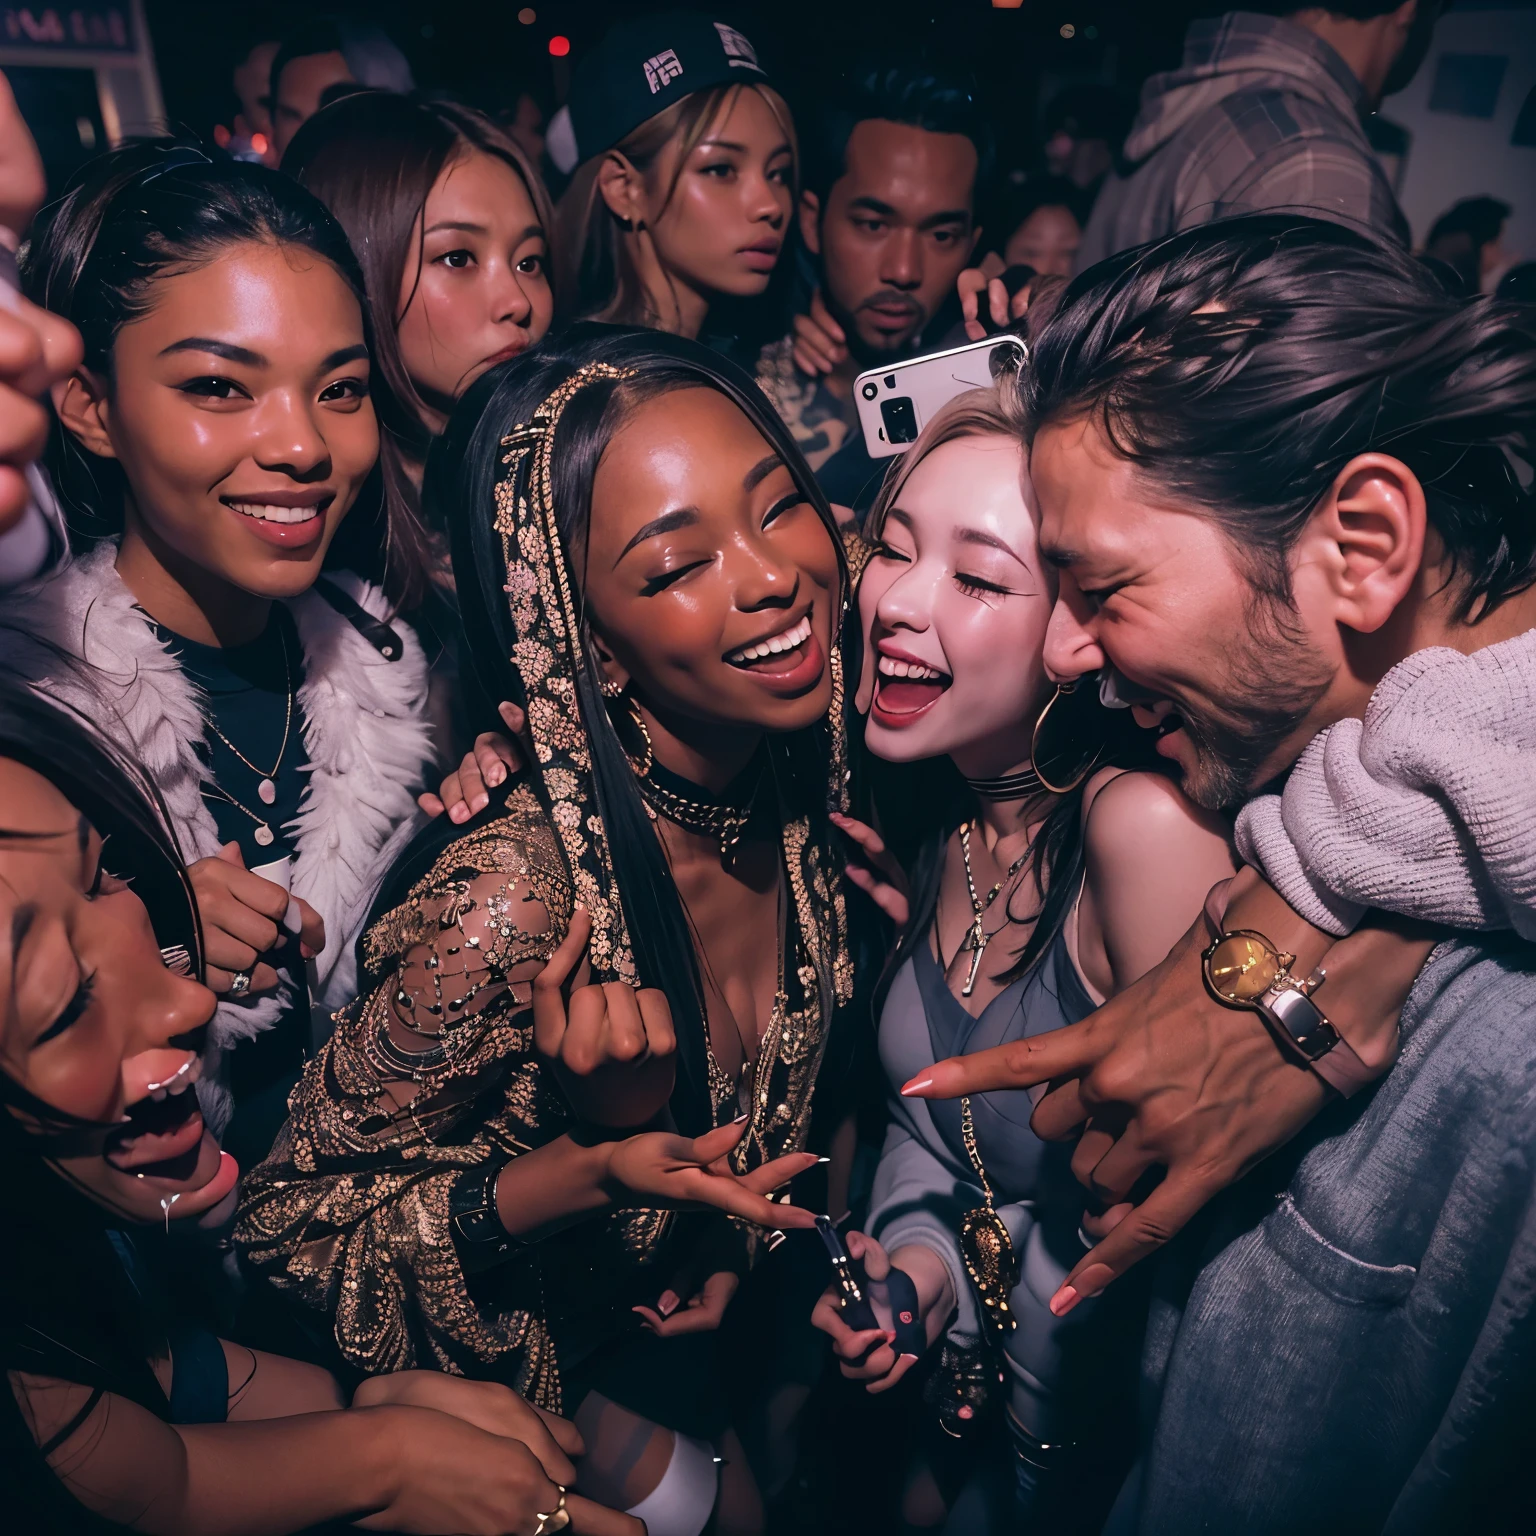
column 1011, row 786
column 723, row 817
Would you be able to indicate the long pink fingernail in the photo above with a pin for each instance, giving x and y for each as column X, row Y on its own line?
column 917, row 1084
column 1064, row 1300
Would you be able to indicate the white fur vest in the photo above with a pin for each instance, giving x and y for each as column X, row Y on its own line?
column 365, row 735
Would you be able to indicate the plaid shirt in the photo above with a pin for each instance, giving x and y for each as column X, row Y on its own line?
column 1261, row 116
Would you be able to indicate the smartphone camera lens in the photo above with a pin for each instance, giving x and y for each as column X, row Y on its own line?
column 870, row 391
column 900, row 420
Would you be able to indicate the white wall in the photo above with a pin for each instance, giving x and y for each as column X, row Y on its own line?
column 1452, row 157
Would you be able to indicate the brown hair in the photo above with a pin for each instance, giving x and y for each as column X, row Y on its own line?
column 373, row 158
column 598, row 280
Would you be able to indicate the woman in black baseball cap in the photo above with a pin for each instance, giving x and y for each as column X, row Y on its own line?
column 686, row 162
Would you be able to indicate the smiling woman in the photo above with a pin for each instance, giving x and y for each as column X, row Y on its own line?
column 119, row 1411
column 646, row 567
column 218, row 434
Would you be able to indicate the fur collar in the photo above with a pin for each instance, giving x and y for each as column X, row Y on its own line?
column 365, row 734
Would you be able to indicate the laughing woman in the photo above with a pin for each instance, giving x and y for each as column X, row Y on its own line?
column 117, row 1410
column 216, row 437
column 1041, row 889
column 646, row 568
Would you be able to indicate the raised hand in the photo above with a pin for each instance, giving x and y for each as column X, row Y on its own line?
column 660, row 1169
column 987, row 279
column 821, row 345
column 874, row 869
column 466, row 791
column 612, row 1045
column 868, row 1355
column 241, row 914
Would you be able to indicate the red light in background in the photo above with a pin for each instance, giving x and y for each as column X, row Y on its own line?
column 259, row 143
column 559, row 46
column 221, row 135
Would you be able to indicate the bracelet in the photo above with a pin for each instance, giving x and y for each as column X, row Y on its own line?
column 478, row 1234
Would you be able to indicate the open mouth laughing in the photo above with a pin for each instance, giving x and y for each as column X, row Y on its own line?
column 905, row 688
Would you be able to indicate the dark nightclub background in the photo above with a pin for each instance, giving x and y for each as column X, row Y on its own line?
column 482, row 51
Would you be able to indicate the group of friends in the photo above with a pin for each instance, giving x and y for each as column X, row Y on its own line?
column 508, row 815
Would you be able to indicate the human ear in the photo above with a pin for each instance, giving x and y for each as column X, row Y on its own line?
column 82, row 405
column 615, row 676
column 622, row 190
column 810, row 222
column 1366, row 538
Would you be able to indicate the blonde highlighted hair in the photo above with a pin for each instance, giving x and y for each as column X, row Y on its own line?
column 597, row 276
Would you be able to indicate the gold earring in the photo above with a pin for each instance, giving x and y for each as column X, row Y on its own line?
column 610, row 689
column 650, row 757
column 1034, row 746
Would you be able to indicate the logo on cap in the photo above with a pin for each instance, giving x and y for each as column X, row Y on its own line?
column 739, row 53
column 662, row 68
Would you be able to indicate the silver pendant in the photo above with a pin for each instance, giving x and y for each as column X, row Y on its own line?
column 264, row 834
column 267, row 790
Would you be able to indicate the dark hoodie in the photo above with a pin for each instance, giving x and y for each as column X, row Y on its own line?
column 1262, row 115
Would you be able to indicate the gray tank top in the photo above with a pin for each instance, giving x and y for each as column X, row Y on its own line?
column 1019, row 1165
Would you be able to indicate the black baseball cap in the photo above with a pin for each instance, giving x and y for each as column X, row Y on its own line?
column 641, row 67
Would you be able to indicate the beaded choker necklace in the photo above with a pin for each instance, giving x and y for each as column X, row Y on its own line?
column 1010, row 786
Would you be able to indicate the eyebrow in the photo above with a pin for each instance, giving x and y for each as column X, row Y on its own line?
column 668, row 522
column 949, row 216
column 225, row 349
column 760, row 471
column 991, row 541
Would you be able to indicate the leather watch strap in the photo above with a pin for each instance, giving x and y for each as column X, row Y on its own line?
column 1343, row 1070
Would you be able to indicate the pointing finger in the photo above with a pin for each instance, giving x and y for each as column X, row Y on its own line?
column 1019, row 1064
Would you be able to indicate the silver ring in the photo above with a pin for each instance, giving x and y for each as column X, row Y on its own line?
column 240, row 984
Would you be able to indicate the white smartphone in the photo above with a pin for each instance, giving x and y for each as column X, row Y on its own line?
column 897, row 402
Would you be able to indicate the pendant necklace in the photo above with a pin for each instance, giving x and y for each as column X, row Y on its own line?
column 977, row 938
column 267, row 788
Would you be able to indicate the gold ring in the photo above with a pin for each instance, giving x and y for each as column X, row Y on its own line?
column 556, row 1520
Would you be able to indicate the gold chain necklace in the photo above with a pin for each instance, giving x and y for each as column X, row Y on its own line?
column 977, row 938
column 985, row 1246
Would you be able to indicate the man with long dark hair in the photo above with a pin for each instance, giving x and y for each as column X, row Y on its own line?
column 1285, row 476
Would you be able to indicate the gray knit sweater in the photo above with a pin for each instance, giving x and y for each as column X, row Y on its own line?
column 1426, row 807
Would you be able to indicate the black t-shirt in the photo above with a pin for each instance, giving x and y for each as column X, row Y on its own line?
column 250, row 695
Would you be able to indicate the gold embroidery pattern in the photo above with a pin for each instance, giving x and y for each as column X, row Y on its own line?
column 548, row 654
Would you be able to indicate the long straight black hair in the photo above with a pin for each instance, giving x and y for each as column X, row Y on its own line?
column 459, row 490
column 67, row 1307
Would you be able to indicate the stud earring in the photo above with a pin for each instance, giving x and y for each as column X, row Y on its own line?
column 610, row 689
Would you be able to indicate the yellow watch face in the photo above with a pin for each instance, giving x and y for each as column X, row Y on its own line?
column 1242, row 966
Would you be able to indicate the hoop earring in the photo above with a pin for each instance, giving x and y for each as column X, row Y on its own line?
column 1034, row 746
column 650, row 757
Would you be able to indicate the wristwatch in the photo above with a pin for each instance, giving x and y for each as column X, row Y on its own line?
column 1244, row 970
